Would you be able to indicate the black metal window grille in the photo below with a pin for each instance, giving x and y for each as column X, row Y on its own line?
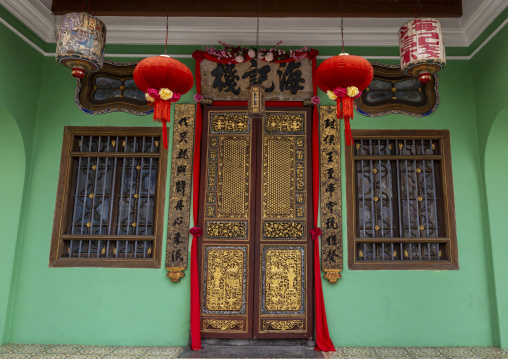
column 113, row 196
column 399, row 209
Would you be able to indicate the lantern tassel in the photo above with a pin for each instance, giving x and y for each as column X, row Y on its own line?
column 162, row 113
column 340, row 114
column 347, row 109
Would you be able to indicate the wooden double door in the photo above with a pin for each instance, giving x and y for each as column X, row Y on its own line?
column 255, row 254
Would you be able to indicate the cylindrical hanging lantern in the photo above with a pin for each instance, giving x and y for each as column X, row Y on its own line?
column 343, row 78
column 422, row 51
column 80, row 43
column 163, row 80
column 256, row 102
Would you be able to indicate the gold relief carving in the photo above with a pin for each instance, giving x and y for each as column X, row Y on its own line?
column 332, row 275
column 223, row 324
column 330, row 184
column 278, row 177
column 236, row 230
column 224, row 280
column 300, row 212
column 300, row 155
column 233, row 185
column 212, row 176
column 211, row 197
column 214, row 141
column 175, row 273
column 212, row 155
column 300, row 142
column 283, row 229
column 283, row 279
column 300, row 176
column 284, row 123
column 300, row 198
column 210, row 211
column 283, row 324
column 229, row 123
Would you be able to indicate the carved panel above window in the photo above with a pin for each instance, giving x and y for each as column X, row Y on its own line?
column 391, row 92
column 111, row 89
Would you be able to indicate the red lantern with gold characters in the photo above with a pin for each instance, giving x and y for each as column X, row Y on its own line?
column 343, row 78
column 163, row 80
column 422, row 51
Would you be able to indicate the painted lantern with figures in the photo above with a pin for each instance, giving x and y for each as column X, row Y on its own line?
column 80, row 43
column 422, row 51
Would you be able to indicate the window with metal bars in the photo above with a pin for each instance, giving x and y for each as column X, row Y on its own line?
column 109, row 200
column 400, row 201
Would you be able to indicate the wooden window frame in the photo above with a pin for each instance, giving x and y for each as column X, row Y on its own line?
column 64, row 201
column 447, row 207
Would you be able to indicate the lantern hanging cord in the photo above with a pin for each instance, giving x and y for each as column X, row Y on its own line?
column 167, row 29
column 83, row 6
column 257, row 44
column 418, row 5
column 342, row 25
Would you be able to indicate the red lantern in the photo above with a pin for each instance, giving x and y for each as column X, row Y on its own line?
column 163, row 80
column 343, row 78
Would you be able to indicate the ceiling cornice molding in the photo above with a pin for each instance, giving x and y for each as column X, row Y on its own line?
column 487, row 12
column 33, row 14
column 206, row 31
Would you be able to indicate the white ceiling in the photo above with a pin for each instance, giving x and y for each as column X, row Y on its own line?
column 458, row 32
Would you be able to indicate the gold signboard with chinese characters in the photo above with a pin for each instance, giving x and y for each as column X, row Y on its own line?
column 331, row 204
column 180, row 191
column 286, row 81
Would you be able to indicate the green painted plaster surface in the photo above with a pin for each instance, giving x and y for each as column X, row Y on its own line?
column 425, row 307
column 12, row 176
column 19, row 97
column 141, row 306
column 496, row 172
column 490, row 75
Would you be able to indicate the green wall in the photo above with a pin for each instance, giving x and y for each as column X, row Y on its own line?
column 19, row 97
column 142, row 307
column 490, row 74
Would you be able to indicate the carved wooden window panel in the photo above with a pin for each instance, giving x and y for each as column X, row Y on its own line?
column 109, row 208
column 401, row 211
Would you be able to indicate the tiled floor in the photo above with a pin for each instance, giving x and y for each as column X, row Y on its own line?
column 32, row 351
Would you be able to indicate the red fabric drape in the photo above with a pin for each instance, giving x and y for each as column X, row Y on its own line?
column 195, row 302
column 323, row 340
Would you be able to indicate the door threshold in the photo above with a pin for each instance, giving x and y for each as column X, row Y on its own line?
column 257, row 342
column 240, row 348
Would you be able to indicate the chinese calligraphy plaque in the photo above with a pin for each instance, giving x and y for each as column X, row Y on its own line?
column 288, row 81
column 180, row 191
column 331, row 203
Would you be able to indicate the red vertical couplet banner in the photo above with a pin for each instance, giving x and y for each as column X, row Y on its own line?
column 195, row 310
column 323, row 341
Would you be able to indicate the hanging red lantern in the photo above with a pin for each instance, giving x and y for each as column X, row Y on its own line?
column 343, row 78
column 163, row 80
column 422, row 51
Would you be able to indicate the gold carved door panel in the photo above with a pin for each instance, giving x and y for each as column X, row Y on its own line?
column 254, row 255
column 283, row 293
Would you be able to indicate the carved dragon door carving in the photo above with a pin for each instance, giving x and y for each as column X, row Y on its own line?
column 256, row 254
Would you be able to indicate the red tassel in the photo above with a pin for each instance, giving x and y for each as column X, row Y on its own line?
column 347, row 107
column 162, row 113
column 347, row 132
column 340, row 114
